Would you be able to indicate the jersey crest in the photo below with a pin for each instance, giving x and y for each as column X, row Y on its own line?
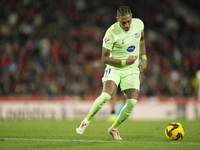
column 137, row 35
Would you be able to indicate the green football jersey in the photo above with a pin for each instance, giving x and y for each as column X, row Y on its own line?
column 123, row 44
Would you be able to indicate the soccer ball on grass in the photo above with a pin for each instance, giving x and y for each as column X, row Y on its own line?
column 174, row 131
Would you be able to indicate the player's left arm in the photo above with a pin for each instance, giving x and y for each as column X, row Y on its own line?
column 143, row 63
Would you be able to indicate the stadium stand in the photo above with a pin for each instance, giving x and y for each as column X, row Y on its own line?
column 49, row 47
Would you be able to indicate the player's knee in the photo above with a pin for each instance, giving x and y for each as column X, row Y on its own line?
column 105, row 96
column 131, row 103
column 132, row 94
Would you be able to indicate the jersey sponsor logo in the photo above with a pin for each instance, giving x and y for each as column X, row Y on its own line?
column 131, row 48
column 106, row 40
column 137, row 35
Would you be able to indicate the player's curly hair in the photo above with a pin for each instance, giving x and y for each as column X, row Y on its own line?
column 123, row 10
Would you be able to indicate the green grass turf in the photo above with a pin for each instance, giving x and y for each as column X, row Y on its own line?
column 61, row 135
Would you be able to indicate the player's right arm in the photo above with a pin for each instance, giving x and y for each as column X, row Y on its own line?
column 105, row 57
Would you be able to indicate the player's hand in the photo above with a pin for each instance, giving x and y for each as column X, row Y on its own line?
column 131, row 59
column 142, row 65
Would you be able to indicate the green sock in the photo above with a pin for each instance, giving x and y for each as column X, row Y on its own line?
column 125, row 112
column 90, row 116
column 97, row 105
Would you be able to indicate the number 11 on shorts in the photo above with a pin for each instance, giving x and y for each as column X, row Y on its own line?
column 108, row 72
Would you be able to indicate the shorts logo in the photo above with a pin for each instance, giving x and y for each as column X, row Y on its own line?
column 137, row 35
column 131, row 48
column 106, row 40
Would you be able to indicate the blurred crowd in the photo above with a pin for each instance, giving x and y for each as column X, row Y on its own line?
column 54, row 47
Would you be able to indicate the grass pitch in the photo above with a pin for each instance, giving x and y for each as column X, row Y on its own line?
column 61, row 135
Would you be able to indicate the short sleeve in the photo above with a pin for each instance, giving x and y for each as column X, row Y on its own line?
column 108, row 40
column 141, row 24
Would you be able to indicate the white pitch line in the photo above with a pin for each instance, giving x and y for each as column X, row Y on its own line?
column 93, row 141
column 59, row 140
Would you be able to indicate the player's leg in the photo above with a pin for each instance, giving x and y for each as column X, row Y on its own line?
column 108, row 89
column 132, row 96
column 131, row 90
column 110, row 81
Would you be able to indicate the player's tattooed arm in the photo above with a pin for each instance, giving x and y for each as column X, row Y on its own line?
column 142, row 46
column 143, row 64
column 107, row 60
column 115, row 62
